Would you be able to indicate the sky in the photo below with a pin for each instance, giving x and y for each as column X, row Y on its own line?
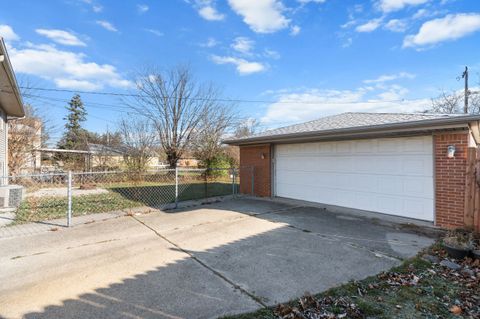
column 287, row 61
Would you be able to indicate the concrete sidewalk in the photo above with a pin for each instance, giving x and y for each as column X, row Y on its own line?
column 204, row 262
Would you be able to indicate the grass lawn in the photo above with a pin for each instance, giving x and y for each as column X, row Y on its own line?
column 416, row 289
column 34, row 209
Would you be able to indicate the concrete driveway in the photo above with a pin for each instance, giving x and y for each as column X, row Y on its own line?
column 209, row 261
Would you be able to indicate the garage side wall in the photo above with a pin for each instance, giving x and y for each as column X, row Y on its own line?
column 255, row 170
column 450, row 179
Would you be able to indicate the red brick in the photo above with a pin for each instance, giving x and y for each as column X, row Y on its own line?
column 450, row 176
column 255, row 162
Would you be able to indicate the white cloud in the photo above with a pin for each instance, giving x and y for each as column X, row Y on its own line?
column 155, row 32
column 271, row 54
column 370, row 26
column 7, row 33
column 106, row 25
column 396, row 25
column 243, row 66
column 420, row 14
column 262, row 16
column 310, row 1
column 348, row 42
column 142, row 8
column 450, row 27
column 295, row 30
column 424, row 13
column 61, row 37
column 349, row 23
column 210, row 13
column 395, row 5
column 391, row 77
column 210, row 43
column 65, row 68
column 243, row 45
column 97, row 8
column 309, row 104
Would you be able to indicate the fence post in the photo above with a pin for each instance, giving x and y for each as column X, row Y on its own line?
column 176, row 187
column 233, row 181
column 206, row 182
column 253, row 181
column 69, row 196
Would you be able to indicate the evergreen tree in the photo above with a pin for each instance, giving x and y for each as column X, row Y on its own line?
column 75, row 136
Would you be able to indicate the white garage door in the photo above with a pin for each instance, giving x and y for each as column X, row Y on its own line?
column 391, row 175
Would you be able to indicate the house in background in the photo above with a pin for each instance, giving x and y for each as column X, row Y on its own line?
column 418, row 166
column 24, row 138
column 106, row 157
column 188, row 160
column 11, row 106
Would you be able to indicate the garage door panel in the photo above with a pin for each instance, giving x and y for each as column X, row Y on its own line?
column 344, row 147
column 390, row 185
column 419, row 165
column 389, row 204
column 418, row 187
column 365, row 146
column 393, row 176
column 340, row 163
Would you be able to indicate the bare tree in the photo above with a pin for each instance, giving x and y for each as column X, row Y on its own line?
column 246, row 128
column 176, row 104
column 30, row 100
column 24, row 136
column 207, row 144
column 449, row 103
column 139, row 139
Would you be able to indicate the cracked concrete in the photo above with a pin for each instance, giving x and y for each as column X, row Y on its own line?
column 204, row 262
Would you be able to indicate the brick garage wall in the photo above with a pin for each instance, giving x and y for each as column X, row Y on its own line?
column 251, row 161
column 450, row 179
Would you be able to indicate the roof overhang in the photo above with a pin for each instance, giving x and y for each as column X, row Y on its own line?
column 384, row 130
column 10, row 98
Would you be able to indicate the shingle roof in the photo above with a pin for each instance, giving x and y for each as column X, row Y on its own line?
column 345, row 120
column 106, row 149
column 351, row 120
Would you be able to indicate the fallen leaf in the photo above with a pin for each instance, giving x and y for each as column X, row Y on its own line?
column 456, row 310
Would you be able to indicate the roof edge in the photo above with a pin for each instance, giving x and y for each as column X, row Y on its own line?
column 421, row 124
column 20, row 109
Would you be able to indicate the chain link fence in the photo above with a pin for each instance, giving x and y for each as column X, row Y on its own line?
column 61, row 197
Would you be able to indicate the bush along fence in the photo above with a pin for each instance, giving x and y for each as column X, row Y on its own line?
column 55, row 196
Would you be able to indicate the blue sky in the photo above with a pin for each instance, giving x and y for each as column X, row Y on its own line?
column 303, row 58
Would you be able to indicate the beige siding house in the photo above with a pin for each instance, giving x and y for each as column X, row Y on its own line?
column 11, row 106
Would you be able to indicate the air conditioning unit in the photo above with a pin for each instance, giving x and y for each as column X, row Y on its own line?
column 11, row 196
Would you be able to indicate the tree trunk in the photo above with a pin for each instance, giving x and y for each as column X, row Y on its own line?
column 172, row 159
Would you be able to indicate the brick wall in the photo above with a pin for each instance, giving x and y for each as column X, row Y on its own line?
column 450, row 179
column 256, row 159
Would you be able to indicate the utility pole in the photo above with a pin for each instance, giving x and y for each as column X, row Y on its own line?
column 465, row 76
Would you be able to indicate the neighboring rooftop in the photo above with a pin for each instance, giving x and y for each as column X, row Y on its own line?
column 107, row 150
column 356, row 122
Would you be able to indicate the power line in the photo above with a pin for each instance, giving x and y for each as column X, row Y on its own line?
column 220, row 99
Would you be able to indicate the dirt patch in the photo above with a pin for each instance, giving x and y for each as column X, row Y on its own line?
column 62, row 191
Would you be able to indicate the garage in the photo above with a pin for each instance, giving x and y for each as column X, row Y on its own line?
column 391, row 176
column 413, row 165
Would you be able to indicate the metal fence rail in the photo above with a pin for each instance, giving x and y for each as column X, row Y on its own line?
column 57, row 196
